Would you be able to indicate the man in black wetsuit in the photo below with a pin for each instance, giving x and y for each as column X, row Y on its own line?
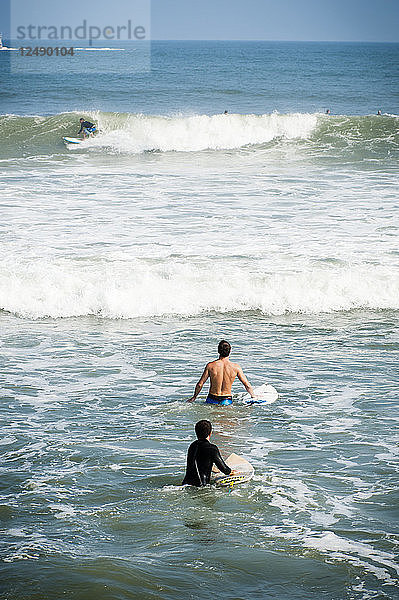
column 201, row 456
column 87, row 128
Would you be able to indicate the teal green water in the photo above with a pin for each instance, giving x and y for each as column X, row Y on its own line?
column 95, row 433
column 125, row 261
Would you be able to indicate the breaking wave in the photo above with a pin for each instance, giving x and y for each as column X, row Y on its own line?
column 142, row 288
column 137, row 133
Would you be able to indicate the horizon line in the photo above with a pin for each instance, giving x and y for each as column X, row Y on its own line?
column 279, row 41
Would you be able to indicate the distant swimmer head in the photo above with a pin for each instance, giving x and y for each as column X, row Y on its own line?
column 328, row 111
column 226, row 112
column 203, row 429
column 224, row 348
column 379, row 113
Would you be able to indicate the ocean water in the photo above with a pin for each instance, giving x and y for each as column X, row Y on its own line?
column 126, row 260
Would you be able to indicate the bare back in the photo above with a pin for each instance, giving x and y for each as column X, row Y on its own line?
column 222, row 374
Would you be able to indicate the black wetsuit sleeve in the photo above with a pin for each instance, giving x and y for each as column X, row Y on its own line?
column 84, row 125
column 191, row 477
column 219, row 462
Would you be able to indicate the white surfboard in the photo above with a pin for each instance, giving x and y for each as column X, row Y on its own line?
column 265, row 394
column 72, row 140
column 245, row 472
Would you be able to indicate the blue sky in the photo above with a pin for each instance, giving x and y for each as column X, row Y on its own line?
column 318, row 20
column 305, row 20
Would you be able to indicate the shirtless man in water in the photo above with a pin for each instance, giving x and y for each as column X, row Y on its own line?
column 222, row 373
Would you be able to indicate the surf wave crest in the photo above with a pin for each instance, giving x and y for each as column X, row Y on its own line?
column 136, row 133
column 143, row 288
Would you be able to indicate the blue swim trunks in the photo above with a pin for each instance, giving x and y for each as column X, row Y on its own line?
column 221, row 400
column 90, row 130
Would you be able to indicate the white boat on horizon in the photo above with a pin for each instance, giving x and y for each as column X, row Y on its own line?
column 2, row 47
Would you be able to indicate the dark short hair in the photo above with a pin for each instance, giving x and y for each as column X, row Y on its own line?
column 203, row 429
column 224, row 348
column 81, row 119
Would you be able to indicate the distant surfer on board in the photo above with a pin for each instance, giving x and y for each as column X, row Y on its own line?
column 87, row 128
column 201, row 457
column 222, row 374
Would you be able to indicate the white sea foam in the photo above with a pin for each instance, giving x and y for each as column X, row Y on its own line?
column 62, row 511
column 138, row 133
column 136, row 288
column 342, row 548
column 359, row 554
